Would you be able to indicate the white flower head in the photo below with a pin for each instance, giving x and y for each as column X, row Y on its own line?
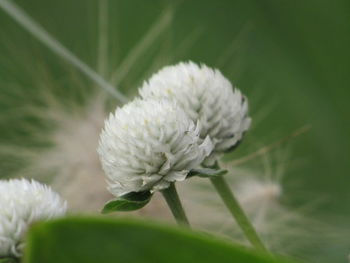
column 205, row 95
column 147, row 144
column 23, row 202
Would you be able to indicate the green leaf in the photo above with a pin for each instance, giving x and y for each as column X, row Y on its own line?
column 207, row 172
column 128, row 202
column 8, row 260
column 105, row 240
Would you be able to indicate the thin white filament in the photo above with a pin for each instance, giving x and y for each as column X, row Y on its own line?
column 161, row 24
column 43, row 36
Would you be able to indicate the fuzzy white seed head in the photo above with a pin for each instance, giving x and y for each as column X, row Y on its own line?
column 205, row 95
column 23, row 202
column 148, row 144
column 253, row 191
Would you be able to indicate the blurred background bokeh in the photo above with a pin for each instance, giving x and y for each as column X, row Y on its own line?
column 291, row 59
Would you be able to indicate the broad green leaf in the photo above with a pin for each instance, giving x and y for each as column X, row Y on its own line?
column 92, row 240
column 129, row 202
column 8, row 260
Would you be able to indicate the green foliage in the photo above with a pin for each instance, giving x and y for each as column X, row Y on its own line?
column 128, row 202
column 207, row 172
column 291, row 59
column 8, row 260
column 92, row 240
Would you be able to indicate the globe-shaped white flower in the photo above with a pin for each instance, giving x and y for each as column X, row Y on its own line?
column 205, row 95
column 148, row 144
column 23, row 202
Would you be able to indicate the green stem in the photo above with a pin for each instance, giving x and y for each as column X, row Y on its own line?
column 174, row 203
column 236, row 211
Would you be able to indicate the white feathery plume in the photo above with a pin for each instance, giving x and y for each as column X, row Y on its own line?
column 23, row 202
column 71, row 156
column 258, row 196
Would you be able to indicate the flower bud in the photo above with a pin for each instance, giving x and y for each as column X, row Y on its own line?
column 206, row 96
column 23, row 202
column 147, row 144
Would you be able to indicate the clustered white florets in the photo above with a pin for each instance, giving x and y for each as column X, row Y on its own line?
column 148, row 144
column 206, row 96
column 23, row 202
column 188, row 116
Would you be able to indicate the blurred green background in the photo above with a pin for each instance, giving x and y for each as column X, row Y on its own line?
column 291, row 59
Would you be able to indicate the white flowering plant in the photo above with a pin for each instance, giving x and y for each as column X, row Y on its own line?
column 145, row 146
column 149, row 144
column 208, row 98
column 23, row 203
column 132, row 120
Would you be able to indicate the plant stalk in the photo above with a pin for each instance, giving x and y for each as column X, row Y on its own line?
column 172, row 198
column 237, row 212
